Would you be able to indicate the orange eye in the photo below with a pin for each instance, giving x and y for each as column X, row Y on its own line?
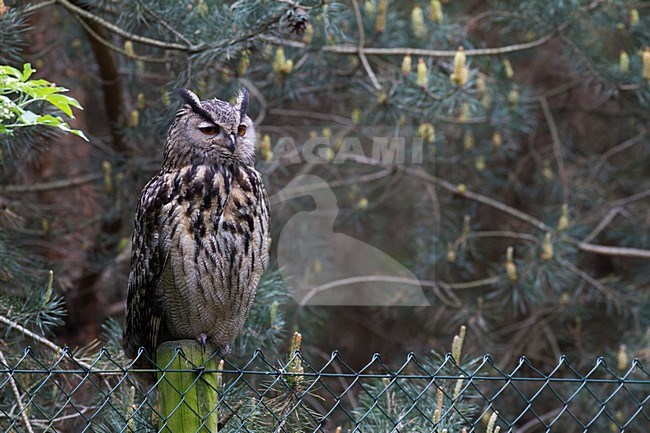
column 241, row 130
column 209, row 130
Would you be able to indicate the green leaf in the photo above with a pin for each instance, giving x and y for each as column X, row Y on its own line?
column 27, row 72
column 61, row 102
column 29, row 117
column 9, row 71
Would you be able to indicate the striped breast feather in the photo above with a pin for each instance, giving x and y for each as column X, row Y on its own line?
column 144, row 308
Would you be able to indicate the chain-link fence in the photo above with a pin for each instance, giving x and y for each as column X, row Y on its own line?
column 40, row 392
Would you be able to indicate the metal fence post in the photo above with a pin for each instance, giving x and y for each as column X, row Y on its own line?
column 188, row 399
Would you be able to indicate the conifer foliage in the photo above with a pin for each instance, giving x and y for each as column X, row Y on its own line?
column 517, row 192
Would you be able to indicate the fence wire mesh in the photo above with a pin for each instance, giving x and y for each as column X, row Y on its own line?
column 433, row 394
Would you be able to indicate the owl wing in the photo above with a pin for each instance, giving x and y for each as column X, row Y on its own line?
column 144, row 309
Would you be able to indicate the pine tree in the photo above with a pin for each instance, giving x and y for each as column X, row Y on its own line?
column 520, row 202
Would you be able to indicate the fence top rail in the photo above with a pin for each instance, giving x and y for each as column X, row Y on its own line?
column 481, row 369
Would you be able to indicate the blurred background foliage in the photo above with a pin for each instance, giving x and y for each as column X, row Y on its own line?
column 527, row 216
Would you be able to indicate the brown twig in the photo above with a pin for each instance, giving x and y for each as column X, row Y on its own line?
column 635, row 253
column 614, row 150
column 19, row 400
column 557, row 148
column 44, row 341
column 53, row 185
column 421, row 174
column 361, row 47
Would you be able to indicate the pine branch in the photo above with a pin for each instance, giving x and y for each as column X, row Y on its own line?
column 19, row 401
column 44, row 341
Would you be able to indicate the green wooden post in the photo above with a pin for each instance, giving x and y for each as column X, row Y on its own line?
column 187, row 402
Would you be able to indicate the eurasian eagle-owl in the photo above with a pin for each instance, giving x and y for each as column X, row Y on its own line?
column 201, row 236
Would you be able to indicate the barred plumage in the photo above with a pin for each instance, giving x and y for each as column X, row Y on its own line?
column 201, row 236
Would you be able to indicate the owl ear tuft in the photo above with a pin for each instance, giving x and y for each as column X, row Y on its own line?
column 242, row 101
column 193, row 101
column 190, row 98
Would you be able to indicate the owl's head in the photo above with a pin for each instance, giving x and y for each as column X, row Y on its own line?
column 210, row 132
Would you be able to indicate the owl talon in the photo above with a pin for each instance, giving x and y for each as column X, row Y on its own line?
column 203, row 340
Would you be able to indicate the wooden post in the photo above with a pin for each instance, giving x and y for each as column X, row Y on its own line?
column 188, row 400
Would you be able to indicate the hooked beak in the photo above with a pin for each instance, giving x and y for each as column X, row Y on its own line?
column 231, row 145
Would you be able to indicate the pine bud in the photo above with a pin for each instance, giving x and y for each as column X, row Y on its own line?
column 329, row 154
column 497, row 429
column 417, row 21
column 486, row 99
column 281, row 65
column 513, row 97
column 369, row 8
column 141, row 102
column 273, row 312
column 134, row 118
column 480, row 85
column 460, row 72
column 48, row 289
column 220, row 374
column 461, row 188
column 457, row 345
column 427, row 132
column 356, row 115
column 624, row 62
column 547, row 170
column 295, row 366
column 479, row 163
column 634, row 17
column 326, row 132
column 451, row 253
column 130, row 408
column 491, row 422
column 382, row 97
column 309, row 34
column 468, row 140
column 465, row 112
column 128, row 49
column 457, row 388
column 423, row 73
column 563, row 222
column 202, row 8
column 380, row 24
column 511, row 268
column 439, row 400
column 164, row 98
column 461, row 333
column 244, row 63
column 436, row 416
column 547, row 248
column 467, row 224
column 496, row 139
column 407, row 64
column 296, row 341
column 317, row 266
column 507, row 69
column 108, row 177
column 646, row 63
column 362, row 204
column 338, row 429
column 565, row 299
column 436, row 11
column 621, row 357
column 265, row 149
